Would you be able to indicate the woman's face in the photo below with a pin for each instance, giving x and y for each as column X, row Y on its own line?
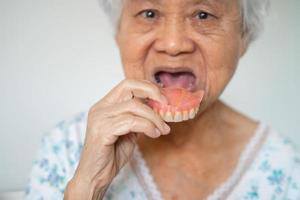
column 194, row 44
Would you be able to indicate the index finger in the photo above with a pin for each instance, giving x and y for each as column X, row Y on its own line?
column 130, row 88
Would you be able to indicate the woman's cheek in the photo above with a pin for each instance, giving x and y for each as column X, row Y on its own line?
column 133, row 71
column 135, row 52
column 220, row 65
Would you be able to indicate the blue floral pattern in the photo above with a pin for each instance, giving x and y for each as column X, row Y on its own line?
column 273, row 175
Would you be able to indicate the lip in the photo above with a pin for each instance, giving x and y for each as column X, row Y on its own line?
column 173, row 69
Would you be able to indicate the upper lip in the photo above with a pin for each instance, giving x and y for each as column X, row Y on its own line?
column 173, row 69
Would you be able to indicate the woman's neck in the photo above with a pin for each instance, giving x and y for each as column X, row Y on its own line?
column 199, row 154
column 200, row 130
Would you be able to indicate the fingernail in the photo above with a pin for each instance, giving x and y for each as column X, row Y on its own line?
column 157, row 132
column 167, row 128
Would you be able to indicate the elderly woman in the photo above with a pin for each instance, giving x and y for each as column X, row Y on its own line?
column 163, row 133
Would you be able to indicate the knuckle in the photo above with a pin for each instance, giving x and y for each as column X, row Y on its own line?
column 147, row 82
column 123, row 81
column 93, row 115
column 126, row 83
column 92, row 109
column 151, row 85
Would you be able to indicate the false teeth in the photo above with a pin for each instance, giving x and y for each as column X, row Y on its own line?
column 168, row 117
column 177, row 116
column 185, row 115
column 192, row 113
column 182, row 104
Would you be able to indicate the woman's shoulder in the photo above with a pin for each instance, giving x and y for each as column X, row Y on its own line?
column 65, row 140
column 72, row 128
column 57, row 158
column 275, row 171
column 279, row 151
column 279, row 161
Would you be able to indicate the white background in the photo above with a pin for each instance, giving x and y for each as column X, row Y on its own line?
column 58, row 57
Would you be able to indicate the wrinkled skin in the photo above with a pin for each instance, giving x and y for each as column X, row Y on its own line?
column 113, row 125
column 201, row 35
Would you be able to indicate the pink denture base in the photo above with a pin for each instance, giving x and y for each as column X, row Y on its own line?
column 179, row 100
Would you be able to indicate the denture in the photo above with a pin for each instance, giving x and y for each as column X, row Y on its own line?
column 182, row 104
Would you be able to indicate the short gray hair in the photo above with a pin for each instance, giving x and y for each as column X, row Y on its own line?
column 253, row 13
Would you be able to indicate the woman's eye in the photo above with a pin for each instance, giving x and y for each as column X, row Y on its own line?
column 149, row 14
column 202, row 15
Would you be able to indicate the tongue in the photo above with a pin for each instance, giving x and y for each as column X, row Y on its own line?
column 179, row 80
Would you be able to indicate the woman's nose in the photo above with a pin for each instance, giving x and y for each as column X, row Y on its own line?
column 173, row 39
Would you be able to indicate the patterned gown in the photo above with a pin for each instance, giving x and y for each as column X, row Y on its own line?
column 268, row 168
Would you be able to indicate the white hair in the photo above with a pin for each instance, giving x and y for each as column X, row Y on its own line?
column 253, row 13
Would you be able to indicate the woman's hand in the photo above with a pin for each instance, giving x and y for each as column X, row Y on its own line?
column 112, row 129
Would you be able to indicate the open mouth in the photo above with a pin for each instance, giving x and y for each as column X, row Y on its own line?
column 180, row 79
column 179, row 87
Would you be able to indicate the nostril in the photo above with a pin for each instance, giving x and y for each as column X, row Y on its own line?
column 174, row 42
